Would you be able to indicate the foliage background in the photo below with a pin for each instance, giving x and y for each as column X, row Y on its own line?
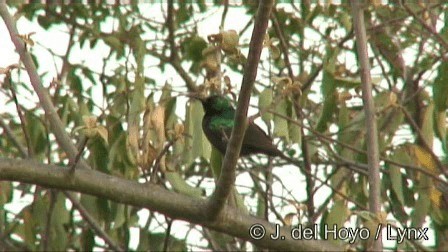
column 307, row 93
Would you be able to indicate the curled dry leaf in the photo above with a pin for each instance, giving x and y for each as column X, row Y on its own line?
column 230, row 41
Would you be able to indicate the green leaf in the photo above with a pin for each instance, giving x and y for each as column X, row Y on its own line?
column 156, row 242
column 216, row 163
column 328, row 89
column 396, row 176
column 99, row 155
column 29, row 226
column 439, row 118
column 196, row 143
column 121, row 215
column 294, row 131
column 90, row 204
column 115, row 44
column 428, row 124
column 37, row 133
column 181, row 186
column 329, row 106
column 193, row 47
column 421, row 210
column 280, row 123
column 264, row 101
column 347, row 83
column 440, row 88
column 170, row 113
column 337, row 215
column 60, row 218
column 143, row 243
column 87, row 239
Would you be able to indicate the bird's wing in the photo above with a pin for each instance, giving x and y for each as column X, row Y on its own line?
column 256, row 140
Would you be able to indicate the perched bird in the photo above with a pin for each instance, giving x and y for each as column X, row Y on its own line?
column 217, row 125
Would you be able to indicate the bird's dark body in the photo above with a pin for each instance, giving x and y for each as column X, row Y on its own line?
column 217, row 125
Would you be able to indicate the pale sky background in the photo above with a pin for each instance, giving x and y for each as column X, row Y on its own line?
column 57, row 39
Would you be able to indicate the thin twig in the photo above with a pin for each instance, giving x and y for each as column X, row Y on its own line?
column 283, row 44
column 156, row 165
column 82, row 146
column 166, row 241
column 224, row 13
column 23, row 121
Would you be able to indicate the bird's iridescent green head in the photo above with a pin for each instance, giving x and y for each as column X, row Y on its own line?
column 216, row 104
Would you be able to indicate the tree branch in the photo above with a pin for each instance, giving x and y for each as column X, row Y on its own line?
column 56, row 124
column 155, row 198
column 227, row 177
column 369, row 109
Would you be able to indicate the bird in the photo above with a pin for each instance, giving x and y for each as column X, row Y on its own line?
column 218, row 122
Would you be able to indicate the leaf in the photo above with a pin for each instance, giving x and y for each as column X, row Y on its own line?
column 181, row 186
column 121, row 215
column 157, row 240
column 424, row 158
column 264, row 101
column 428, row 124
column 87, row 239
column 137, row 106
column 396, row 176
column 280, row 123
column 216, row 163
column 29, row 223
column 329, row 104
column 294, row 131
column 170, row 113
column 337, row 215
column 143, row 243
column 348, row 83
column 37, row 133
column 196, row 143
column 59, row 220
column 427, row 187
column 89, row 203
column 440, row 88
column 421, row 210
column 439, row 118
column 114, row 43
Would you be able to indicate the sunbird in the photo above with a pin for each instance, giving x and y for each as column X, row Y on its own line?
column 217, row 125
